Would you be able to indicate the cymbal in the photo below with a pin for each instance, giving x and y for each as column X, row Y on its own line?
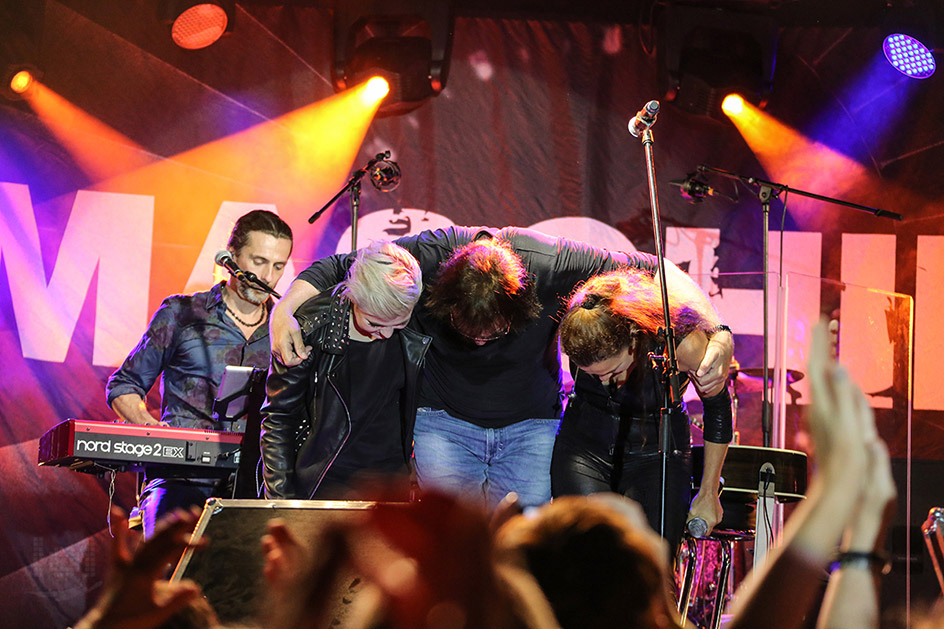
column 757, row 373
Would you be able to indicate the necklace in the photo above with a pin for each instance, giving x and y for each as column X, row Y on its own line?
column 246, row 323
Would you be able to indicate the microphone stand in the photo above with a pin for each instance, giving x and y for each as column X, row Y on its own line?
column 354, row 185
column 767, row 190
column 668, row 363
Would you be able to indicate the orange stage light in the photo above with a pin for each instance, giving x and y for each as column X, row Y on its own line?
column 376, row 89
column 199, row 26
column 21, row 81
column 733, row 104
column 790, row 158
column 295, row 163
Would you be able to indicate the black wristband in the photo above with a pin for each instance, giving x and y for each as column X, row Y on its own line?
column 718, row 328
column 718, row 418
column 877, row 562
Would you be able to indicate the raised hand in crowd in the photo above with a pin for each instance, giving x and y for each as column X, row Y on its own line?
column 137, row 594
column 849, row 493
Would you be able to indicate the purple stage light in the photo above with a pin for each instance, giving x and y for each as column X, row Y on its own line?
column 909, row 56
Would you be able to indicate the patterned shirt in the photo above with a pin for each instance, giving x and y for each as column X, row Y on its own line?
column 188, row 343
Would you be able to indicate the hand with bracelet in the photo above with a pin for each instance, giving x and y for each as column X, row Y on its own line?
column 847, row 498
column 852, row 594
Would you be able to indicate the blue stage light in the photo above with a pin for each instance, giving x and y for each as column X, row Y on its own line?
column 909, row 56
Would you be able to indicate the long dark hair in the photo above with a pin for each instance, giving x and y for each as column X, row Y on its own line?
column 483, row 283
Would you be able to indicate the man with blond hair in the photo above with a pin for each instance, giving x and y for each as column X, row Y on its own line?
column 344, row 416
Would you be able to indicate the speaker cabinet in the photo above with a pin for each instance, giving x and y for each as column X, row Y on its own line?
column 229, row 569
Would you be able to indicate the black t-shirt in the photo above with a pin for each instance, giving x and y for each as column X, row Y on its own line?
column 511, row 378
column 375, row 443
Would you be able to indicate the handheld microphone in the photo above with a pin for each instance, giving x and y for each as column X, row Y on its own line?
column 644, row 118
column 697, row 527
column 224, row 259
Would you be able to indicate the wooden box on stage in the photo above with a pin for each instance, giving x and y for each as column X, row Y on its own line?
column 229, row 569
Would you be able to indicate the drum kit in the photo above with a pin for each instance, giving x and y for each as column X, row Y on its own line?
column 709, row 569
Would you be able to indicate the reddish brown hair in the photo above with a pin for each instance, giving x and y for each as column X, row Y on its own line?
column 616, row 310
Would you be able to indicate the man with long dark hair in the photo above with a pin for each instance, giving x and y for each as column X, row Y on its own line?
column 188, row 344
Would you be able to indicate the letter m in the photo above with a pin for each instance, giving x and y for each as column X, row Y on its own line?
column 108, row 231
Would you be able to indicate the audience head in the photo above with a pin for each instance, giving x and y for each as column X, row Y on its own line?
column 597, row 561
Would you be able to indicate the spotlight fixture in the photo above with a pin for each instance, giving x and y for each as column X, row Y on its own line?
column 909, row 56
column 405, row 42
column 19, row 80
column 913, row 31
column 196, row 24
column 708, row 53
column 733, row 104
column 20, row 31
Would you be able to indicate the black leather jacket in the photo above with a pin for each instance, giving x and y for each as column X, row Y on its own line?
column 305, row 420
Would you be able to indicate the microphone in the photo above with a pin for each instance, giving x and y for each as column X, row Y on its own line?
column 224, row 259
column 385, row 174
column 693, row 190
column 644, row 118
column 697, row 527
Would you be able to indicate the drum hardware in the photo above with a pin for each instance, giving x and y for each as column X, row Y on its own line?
column 752, row 478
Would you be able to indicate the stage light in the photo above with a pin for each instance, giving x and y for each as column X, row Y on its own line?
column 21, row 30
column 21, row 81
column 406, row 42
column 196, row 24
column 733, row 104
column 707, row 53
column 909, row 56
column 377, row 87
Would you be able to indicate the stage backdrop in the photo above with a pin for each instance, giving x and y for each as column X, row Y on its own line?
column 122, row 178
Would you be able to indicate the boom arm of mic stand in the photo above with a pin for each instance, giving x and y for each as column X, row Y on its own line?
column 350, row 184
column 252, row 279
column 779, row 187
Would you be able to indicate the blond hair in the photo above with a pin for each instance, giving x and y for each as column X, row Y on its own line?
column 385, row 280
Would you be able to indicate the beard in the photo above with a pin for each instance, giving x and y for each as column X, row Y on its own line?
column 250, row 294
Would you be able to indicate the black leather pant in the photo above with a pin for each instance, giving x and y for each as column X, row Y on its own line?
column 587, row 459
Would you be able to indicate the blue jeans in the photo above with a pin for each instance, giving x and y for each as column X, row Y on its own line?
column 459, row 457
column 162, row 496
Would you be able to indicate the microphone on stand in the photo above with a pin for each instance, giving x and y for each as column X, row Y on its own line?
column 644, row 118
column 694, row 190
column 385, row 174
column 224, row 259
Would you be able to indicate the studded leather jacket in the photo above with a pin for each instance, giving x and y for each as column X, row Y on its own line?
column 306, row 420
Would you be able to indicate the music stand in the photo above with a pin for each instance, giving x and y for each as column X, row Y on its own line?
column 236, row 409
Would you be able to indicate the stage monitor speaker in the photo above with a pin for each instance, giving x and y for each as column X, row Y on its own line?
column 229, row 569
